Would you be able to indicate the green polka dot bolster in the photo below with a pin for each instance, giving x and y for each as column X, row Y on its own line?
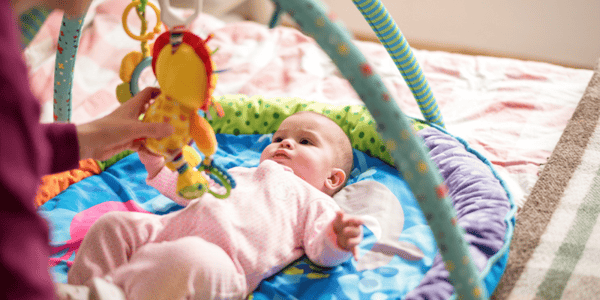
column 260, row 115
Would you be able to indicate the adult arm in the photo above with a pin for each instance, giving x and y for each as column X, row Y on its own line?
column 121, row 129
column 26, row 153
column 29, row 150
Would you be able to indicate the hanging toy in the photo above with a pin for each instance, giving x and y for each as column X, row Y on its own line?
column 182, row 64
column 135, row 61
column 184, row 70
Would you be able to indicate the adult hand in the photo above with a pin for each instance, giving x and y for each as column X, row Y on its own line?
column 348, row 230
column 72, row 8
column 121, row 129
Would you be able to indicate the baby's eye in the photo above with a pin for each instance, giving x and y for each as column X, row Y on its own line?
column 305, row 142
column 277, row 140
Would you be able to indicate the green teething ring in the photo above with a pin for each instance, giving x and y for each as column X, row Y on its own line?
column 137, row 72
column 222, row 178
column 408, row 150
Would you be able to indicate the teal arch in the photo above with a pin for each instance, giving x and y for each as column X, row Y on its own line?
column 64, row 67
column 408, row 150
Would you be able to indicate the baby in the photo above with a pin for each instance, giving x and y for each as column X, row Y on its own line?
column 222, row 249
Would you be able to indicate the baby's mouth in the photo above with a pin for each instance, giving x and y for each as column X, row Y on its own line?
column 280, row 154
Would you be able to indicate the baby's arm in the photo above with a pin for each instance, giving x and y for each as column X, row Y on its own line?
column 152, row 162
column 322, row 244
column 160, row 177
column 348, row 230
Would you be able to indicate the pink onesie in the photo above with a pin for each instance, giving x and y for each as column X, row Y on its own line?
column 213, row 248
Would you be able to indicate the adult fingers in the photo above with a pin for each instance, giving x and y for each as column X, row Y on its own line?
column 137, row 102
column 150, row 130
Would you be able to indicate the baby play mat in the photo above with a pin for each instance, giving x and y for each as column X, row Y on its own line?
column 398, row 257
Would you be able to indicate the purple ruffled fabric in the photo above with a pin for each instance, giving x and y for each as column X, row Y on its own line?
column 481, row 204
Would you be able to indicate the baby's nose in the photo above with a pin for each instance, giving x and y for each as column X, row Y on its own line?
column 286, row 143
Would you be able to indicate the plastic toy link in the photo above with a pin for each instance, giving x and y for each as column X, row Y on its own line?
column 135, row 61
column 182, row 64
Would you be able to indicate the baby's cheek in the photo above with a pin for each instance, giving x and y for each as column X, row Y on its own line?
column 311, row 175
column 264, row 154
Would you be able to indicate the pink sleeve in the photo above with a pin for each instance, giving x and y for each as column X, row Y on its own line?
column 320, row 242
column 165, row 181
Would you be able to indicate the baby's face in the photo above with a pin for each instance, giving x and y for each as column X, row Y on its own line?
column 304, row 143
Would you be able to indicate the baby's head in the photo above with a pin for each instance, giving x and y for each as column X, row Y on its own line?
column 315, row 147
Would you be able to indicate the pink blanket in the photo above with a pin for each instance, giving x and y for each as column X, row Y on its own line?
column 511, row 111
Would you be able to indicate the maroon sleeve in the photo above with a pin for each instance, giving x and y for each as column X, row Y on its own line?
column 63, row 146
column 28, row 150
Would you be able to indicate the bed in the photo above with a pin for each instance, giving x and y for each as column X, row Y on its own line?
column 555, row 246
column 503, row 113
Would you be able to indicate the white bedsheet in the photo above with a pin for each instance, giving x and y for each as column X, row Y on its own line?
column 513, row 112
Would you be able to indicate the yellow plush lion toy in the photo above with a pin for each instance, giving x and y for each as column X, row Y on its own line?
column 184, row 70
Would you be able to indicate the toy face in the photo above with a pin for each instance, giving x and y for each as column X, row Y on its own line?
column 182, row 75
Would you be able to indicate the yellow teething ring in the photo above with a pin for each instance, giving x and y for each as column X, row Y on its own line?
column 148, row 36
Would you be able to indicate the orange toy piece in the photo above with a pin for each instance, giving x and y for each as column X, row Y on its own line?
column 184, row 70
column 53, row 184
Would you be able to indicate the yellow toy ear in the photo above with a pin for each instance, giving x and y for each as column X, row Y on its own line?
column 128, row 64
column 123, row 92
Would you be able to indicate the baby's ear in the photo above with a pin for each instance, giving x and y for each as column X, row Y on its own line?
column 336, row 179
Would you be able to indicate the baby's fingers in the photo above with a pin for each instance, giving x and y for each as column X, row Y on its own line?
column 351, row 237
column 354, row 241
column 355, row 252
column 354, row 222
column 338, row 224
column 347, row 220
column 350, row 220
column 351, row 232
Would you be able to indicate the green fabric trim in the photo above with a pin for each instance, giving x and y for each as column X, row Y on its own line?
column 260, row 115
column 113, row 160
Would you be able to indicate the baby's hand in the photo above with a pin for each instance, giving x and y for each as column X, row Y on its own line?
column 348, row 230
column 153, row 163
